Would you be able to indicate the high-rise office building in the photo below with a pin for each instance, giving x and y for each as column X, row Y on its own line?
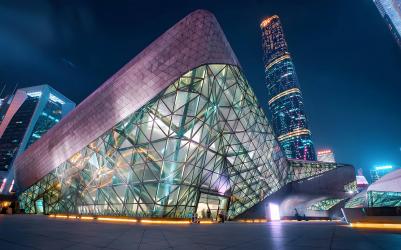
column 390, row 10
column 284, row 94
column 28, row 114
column 326, row 155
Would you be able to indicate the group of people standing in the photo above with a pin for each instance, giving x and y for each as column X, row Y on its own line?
column 220, row 218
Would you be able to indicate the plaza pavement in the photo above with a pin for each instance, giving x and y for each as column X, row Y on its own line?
column 41, row 232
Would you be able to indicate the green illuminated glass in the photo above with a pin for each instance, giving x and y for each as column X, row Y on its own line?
column 205, row 134
column 384, row 199
column 324, row 205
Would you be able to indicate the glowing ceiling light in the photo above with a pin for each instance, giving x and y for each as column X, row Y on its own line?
column 274, row 211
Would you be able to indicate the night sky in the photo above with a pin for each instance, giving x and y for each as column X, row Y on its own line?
column 347, row 61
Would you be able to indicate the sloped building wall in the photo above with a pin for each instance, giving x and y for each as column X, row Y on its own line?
column 203, row 134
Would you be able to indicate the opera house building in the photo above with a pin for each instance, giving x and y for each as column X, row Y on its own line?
column 177, row 131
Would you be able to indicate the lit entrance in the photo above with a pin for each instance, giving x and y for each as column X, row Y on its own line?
column 39, row 206
column 215, row 204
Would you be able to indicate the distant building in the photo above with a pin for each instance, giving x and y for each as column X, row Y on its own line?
column 385, row 192
column 361, row 181
column 25, row 117
column 379, row 172
column 391, row 12
column 284, row 95
column 326, row 155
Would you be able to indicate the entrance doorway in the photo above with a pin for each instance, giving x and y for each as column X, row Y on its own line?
column 214, row 203
column 39, row 206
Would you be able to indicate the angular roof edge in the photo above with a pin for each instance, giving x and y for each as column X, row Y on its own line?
column 195, row 40
column 390, row 182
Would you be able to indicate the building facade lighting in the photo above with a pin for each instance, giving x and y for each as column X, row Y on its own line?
column 284, row 94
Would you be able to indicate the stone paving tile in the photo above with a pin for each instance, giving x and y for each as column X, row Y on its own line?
column 13, row 245
column 40, row 232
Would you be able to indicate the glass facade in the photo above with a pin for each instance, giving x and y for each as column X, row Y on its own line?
column 358, row 201
column 351, row 187
column 4, row 104
column 391, row 12
column 384, row 199
column 375, row 199
column 324, row 205
column 26, row 116
column 50, row 116
column 304, row 169
column 202, row 142
column 285, row 99
column 12, row 137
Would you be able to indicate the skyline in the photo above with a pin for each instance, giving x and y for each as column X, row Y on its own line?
column 78, row 60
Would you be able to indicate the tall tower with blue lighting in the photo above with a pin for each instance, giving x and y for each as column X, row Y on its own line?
column 284, row 94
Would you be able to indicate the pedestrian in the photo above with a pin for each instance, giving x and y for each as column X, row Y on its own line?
column 208, row 213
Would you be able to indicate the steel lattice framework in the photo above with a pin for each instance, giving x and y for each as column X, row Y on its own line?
column 324, row 205
column 383, row 199
column 204, row 133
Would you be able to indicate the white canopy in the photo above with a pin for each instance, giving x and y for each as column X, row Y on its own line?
column 391, row 182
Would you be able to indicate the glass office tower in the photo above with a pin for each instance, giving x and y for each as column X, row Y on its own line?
column 390, row 10
column 26, row 116
column 284, row 95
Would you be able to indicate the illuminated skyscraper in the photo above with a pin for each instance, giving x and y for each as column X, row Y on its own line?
column 284, row 95
column 391, row 12
column 25, row 117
